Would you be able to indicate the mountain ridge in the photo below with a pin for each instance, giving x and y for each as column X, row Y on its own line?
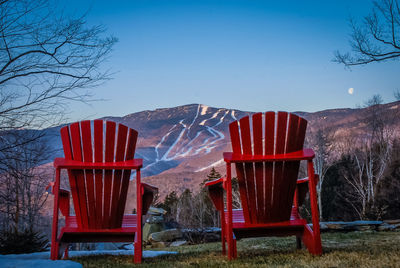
column 181, row 144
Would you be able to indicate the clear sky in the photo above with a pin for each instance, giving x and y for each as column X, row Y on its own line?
column 249, row 55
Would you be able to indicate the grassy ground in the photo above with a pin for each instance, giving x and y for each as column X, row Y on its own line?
column 355, row 249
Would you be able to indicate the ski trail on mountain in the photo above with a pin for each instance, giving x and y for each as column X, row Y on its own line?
column 233, row 115
column 215, row 134
column 214, row 116
column 194, row 120
column 165, row 156
column 186, row 149
column 161, row 141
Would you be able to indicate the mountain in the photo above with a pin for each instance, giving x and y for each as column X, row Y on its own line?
column 180, row 145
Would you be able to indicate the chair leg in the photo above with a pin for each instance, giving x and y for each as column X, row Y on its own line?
column 298, row 242
column 137, row 258
column 312, row 241
column 234, row 248
column 54, row 251
column 66, row 252
column 223, row 233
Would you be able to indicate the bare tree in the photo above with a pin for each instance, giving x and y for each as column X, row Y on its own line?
column 46, row 60
column 376, row 38
column 22, row 184
column 372, row 156
column 322, row 147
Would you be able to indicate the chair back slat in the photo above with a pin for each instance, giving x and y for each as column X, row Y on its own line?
column 267, row 189
column 258, row 167
column 108, row 174
column 98, row 174
column 88, row 157
column 277, row 184
column 119, row 156
column 269, row 144
column 78, row 175
column 130, row 152
column 248, row 168
column 99, row 196
column 291, row 168
column 67, row 145
column 237, row 148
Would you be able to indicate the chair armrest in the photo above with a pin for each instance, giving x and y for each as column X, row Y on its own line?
column 304, row 180
column 149, row 188
column 305, row 154
column 50, row 189
column 302, row 188
column 215, row 182
column 63, row 196
column 63, row 163
column 216, row 192
column 148, row 193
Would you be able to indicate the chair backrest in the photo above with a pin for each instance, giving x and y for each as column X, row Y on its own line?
column 267, row 188
column 99, row 196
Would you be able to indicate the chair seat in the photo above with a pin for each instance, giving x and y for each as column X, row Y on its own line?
column 241, row 229
column 126, row 233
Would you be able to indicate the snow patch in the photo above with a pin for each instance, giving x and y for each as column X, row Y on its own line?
column 165, row 156
column 218, row 163
column 233, row 115
column 204, row 109
column 42, row 259
column 212, row 117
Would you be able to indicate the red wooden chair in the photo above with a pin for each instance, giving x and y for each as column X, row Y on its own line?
column 99, row 158
column 267, row 154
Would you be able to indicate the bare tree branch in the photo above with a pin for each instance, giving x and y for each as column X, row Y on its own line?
column 377, row 38
column 46, row 60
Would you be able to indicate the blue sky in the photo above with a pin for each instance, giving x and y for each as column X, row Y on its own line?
column 249, row 55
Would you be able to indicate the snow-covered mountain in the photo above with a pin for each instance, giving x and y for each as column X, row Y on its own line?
column 179, row 145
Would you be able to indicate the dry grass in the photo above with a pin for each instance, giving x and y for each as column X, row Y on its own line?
column 356, row 249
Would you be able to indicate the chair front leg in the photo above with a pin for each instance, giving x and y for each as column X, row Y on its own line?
column 317, row 247
column 54, row 255
column 229, row 228
column 138, row 236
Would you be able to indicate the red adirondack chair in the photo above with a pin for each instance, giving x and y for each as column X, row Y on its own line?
column 267, row 154
column 99, row 158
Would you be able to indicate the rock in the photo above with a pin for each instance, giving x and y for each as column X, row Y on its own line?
column 393, row 222
column 155, row 219
column 205, row 235
column 107, row 246
column 322, row 226
column 386, row 227
column 156, row 211
column 158, row 245
column 364, row 227
column 165, row 236
column 335, row 225
column 150, row 228
column 178, row 243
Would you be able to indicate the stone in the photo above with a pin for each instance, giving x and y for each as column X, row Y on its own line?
column 386, row 227
column 150, row 228
column 178, row 243
column 156, row 211
column 166, row 235
column 392, row 221
column 158, row 245
column 155, row 219
column 202, row 235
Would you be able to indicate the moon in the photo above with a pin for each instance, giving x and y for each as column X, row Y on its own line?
column 351, row 91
